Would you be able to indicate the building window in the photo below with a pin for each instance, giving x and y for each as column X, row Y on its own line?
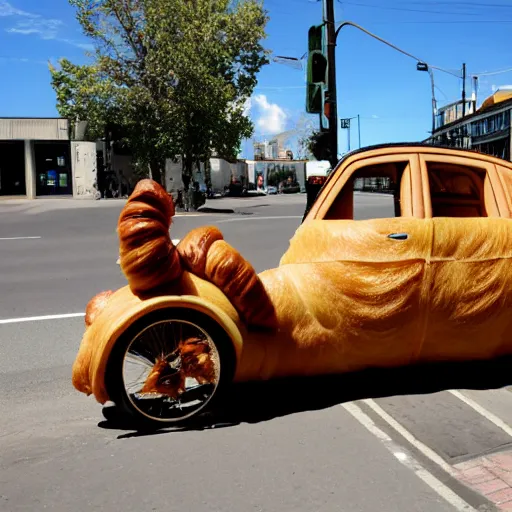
column 491, row 124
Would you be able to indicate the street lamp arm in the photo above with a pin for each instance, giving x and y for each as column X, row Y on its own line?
column 375, row 36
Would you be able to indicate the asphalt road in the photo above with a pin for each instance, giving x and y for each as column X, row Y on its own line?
column 320, row 445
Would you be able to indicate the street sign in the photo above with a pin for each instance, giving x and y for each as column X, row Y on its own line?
column 345, row 124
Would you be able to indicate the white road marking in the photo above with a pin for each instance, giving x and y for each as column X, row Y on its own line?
column 39, row 318
column 401, row 456
column 21, row 238
column 409, row 461
column 484, row 412
column 424, row 449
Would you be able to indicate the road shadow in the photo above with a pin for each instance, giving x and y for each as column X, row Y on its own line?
column 256, row 402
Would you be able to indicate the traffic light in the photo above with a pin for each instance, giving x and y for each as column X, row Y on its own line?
column 316, row 70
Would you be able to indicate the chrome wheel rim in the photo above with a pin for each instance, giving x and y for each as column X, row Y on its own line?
column 171, row 370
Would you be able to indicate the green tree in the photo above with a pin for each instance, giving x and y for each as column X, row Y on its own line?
column 173, row 75
column 317, row 144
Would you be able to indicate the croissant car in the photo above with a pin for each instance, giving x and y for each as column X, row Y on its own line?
column 430, row 281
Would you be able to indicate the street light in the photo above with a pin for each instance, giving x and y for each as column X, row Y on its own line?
column 423, row 66
column 345, row 125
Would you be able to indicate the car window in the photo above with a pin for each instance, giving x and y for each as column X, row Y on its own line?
column 375, row 191
column 456, row 190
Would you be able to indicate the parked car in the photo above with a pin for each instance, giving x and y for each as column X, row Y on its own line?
column 431, row 281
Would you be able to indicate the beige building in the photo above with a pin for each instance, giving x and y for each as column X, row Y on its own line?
column 39, row 158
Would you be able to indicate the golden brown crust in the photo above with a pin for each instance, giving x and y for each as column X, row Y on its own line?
column 148, row 258
column 194, row 247
column 208, row 256
column 95, row 306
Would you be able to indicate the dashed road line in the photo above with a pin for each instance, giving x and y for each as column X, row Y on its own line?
column 483, row 411
column 20, row 238
column 423, row 448
column 408, row 460
column 39, row 318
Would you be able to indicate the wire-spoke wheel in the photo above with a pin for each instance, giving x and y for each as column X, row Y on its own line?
column 169, row 366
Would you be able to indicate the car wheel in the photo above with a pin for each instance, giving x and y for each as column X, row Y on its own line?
column 169, row 367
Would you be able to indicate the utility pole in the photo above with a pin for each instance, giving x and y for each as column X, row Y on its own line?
column 475, row 92
column 328, row 15
column 463, row 89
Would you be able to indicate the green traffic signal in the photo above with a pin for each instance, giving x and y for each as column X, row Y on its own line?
column 316, row 38
column 316, row 70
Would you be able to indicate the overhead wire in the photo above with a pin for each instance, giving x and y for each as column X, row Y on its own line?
column 405, row 9
column 489, row 73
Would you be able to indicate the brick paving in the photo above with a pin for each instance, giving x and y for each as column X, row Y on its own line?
column 491, row 476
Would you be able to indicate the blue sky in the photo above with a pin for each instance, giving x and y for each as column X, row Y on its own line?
column 374, row 81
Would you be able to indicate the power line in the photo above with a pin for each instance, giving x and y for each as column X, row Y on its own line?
column 488, row 73
column 375, row 36
column 389, row 8
column 439, row 22
column 465, row 4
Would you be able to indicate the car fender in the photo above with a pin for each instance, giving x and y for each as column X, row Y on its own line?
column 122, row 310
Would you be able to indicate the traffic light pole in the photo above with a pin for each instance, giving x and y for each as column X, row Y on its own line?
column 328, row 14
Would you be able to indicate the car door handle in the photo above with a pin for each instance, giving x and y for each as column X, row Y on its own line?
column 398, row 236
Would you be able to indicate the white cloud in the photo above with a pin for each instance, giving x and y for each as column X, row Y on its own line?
column 271, row 117
column 44, row 28
column 6, row 9
column 32, row 24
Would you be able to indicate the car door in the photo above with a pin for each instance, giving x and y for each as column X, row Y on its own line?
column 470, row 269
column 504, row 192
column 372, row 269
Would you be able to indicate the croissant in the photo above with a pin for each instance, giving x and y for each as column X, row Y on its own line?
column 148, row 258
column 344, row 297
column 205, row 254
column 150, row 261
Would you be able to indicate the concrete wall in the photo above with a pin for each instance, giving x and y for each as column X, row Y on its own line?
column 84, row 170
column 30, row 169
column 240, row 171
column 173, row 181
column 34, row 129
column 173, row 176
column 221, row 173
column 125, row 171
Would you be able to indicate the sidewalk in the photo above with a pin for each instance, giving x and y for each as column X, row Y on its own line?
column 224, row 205
column 491, row 476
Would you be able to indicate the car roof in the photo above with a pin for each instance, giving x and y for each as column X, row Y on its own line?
column 408, row 147
column 424, row 147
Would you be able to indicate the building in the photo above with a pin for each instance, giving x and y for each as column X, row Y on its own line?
column 486, row 129
column 272, row 150
column 265, row 150
column 38, row 158
column 262, row 174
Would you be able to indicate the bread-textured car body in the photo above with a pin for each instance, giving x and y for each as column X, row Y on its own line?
column 346, row 295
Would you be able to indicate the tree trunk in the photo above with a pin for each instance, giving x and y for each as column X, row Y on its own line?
column 156, row 172
column 186, row 174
